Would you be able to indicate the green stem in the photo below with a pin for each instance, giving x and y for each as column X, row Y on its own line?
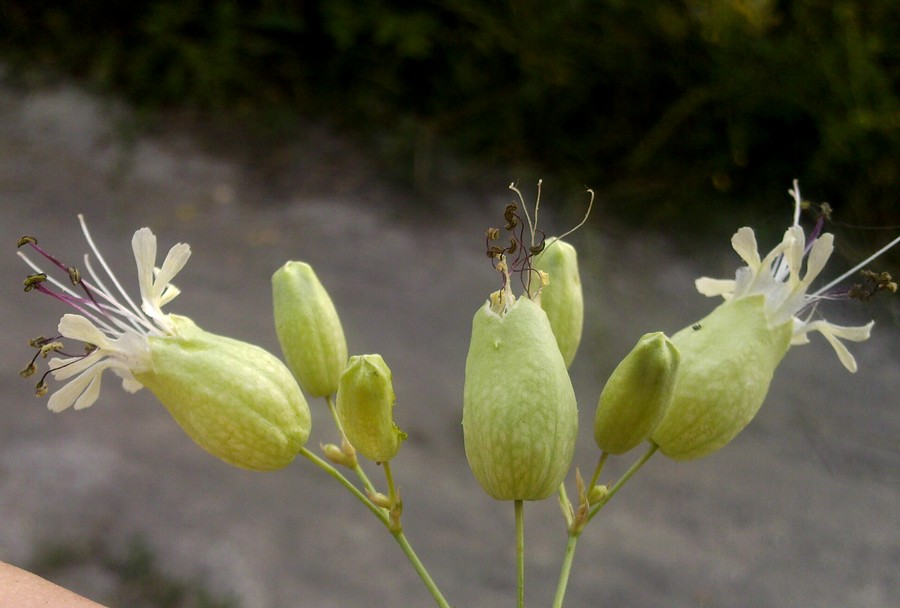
column 574, row 533
column 596, row 477
column 566, row 569
column 360, row 473
column 420, row 570
column 623, row 480
column 383, row 517
column 518, row 505
column 375, row 509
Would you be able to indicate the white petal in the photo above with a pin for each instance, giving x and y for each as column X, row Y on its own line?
column 744, row 243
column 90, row 394
column 714, row 287
column 794, row 254
column 174, row 262
column 818, row 257
column 72, row 366
column 129, row 384
column 143, row 244
column 77, row 327
column 835, row 333
column 66, row 396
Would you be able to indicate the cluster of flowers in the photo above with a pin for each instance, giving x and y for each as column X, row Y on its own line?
column 689, row 395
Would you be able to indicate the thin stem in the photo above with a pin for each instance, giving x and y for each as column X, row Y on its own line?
column 383, row 517
column 420, row 570
column 566, row 569
column 357, row 468
column 598, row 470
column 574, row 532
column 389, row 478
column 518, row 505
column 375, row 509
column 623, row 480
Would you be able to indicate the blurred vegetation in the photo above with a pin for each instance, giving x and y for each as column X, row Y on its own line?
column 134, row 577
column 668, row 107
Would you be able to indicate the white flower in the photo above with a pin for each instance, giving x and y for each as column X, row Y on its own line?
column 117, row 333
column 778, row 278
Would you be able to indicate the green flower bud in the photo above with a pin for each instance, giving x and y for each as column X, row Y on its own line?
column 520, row 419
column 637, row 394
column 235, row 400
column 309, row 329
column 727, row 363
column 365, row 398
column 562, row 298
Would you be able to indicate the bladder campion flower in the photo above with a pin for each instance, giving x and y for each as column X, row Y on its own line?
column 728, row 358
column 520, row 417
column 235, row 400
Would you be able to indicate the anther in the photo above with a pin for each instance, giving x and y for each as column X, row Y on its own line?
column 28, row 371
column 33, row 280
column 74, row 275
column 26, row 240
column 492, row 234
column 41, row 388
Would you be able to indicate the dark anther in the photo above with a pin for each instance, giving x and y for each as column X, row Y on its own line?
column 695, row 326
column 494, row 251
column 825, row 211
column 33, row 280
column 492, row 234
column 74, row 275
column 874, row 282
column 509, row 214
column 538, row 248
column 513, row 246
column 28, row 371
column 26, row 240
column 41, row 388
column 39, row 341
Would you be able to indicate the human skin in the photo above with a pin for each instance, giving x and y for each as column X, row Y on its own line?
column 22, row 589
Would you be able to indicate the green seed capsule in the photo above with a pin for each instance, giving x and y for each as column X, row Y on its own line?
column 727, row 363
column 235, row 400
column 309, row 329
column 520, row 419
column 365, row 398
column 637, row 394
column 562, row 298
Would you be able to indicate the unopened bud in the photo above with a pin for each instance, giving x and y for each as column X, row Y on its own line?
column 365, row 400
column 309, row 329
column 597, row 494
column 637, row 394
column 562, row 298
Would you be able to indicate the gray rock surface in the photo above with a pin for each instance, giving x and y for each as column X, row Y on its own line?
column 800, row 510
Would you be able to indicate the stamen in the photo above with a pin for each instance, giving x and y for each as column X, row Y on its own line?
column 859, row 266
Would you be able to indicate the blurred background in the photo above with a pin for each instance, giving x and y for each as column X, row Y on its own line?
column 375, row 141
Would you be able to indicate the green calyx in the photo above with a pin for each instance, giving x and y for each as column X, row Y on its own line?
column 520, row 419
column 235, row 400
column 561, row 298
column 309, row 329
column 637, row 395
column 727, row 363
column 365, row 400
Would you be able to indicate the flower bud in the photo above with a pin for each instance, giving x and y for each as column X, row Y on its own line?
column 727, row 363
column 309, row 329
column 637, row 394
column 562, row 298
column 365, row 398
column 235, row 400
column 520, row 419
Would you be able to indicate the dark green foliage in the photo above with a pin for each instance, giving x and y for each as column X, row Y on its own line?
column 668, row 106
column 137, row 579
